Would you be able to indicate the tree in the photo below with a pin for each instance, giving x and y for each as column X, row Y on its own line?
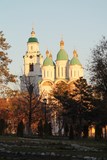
column 83, row 93
column 28, row 108
column 100, row 120
column 40, row 128
column 2, row 126
column 31, row 100
column 5, row 75
column 98, row 71
column 20, row 129
column 98, row 66
column 76, row 99
column 68, row 113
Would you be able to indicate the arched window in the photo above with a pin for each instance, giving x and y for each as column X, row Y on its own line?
column 66, row 71
column 71, row 73
column 31, row 67
column 47, row 73
column 51, row 74
column 62, row 71
column 31, row 47
column 58, row 71
column 44, row 73
column 78, row 74
column 74, row 73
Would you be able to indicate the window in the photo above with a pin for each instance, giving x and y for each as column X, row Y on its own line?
column 71, row 73
column 78, row 74
column 47, row 73
column 31, row 67
column 31, row 47
column 58, row 71
column 31, row 57
column 74, row 73
column 44, row 73
column 62, row 71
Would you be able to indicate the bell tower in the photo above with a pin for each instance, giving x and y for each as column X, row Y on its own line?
column 33, row 59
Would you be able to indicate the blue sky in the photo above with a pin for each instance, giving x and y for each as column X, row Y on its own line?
column 81, row 22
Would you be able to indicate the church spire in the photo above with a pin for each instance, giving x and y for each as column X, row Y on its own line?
column 47, row 53
column 61, row 44
column 75, row 53
column 33, row 32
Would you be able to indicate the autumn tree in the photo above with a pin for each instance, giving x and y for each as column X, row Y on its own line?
column 31, row 101
column 5, row 75
column 5, row 78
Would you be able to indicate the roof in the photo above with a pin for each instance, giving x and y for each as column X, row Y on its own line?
column 62, row 55
column 75, row 61
column 33, row 39
column 48, row 61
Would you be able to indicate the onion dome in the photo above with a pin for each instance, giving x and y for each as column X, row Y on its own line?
column 33, row 38
column 75, row 60
column 62, row 54
column 48, row 62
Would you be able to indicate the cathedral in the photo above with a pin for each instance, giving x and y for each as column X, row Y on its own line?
column 44, row 72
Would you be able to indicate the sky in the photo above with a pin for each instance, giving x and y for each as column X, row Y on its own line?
column 81, row 23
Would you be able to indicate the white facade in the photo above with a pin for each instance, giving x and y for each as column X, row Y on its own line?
column 45, row 73
column 33, row 61
column 62, row 68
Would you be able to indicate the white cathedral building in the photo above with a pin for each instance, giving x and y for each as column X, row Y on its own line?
column 44, row 72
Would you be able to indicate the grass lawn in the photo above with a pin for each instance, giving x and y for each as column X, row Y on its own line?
column 64, row 149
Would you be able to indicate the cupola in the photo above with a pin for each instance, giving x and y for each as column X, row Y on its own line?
column 62, row 54
column 33, row 37
column 75, row 60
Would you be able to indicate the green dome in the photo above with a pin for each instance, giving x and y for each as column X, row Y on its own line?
column 75, row 61
column 48, row 62
column 62, row 55
column 33, row 39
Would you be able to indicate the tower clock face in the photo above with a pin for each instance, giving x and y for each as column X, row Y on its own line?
column 31, row 57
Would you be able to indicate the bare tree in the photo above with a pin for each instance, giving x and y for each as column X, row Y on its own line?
column 98, row 66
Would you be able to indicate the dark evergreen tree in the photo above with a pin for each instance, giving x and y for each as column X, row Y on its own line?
column 66, row 129
column 71, row 132
column 40, row 128
column 20, row 129
column 69, row 110
column 83, row 93
column 3, row 126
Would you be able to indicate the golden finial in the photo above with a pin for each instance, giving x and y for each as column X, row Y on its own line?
column 62, row 42
column 47, row 53
column 75, row 53
column 50, row 55
column 33, row 32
